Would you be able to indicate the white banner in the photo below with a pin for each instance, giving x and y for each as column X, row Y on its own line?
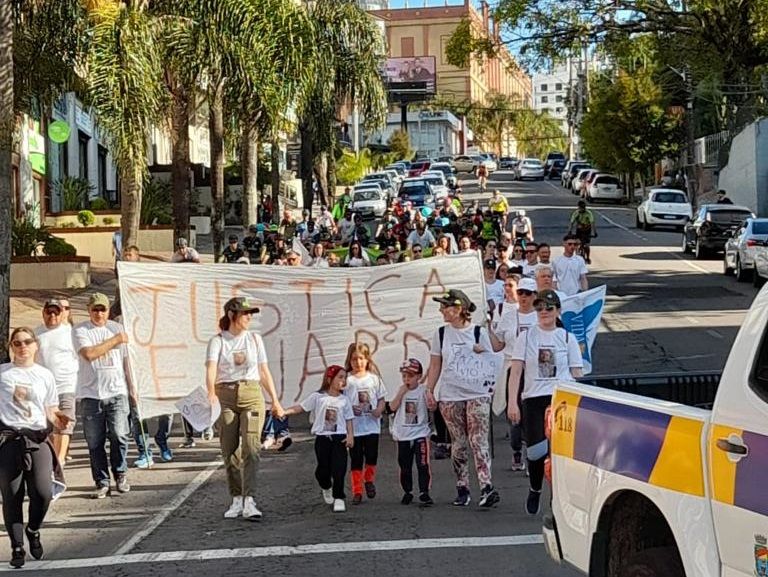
column 309, row 318
column 581, row 314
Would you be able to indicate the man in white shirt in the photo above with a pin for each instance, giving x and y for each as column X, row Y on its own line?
column 421, row 235
column 184, row 252
column 56, row 352
column 346, row 227
column 104, row 388
column 569, row 268
column 494, row 288
column 531, row 260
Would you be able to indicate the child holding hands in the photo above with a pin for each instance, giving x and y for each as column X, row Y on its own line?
column 333, row 432
column 411, row 431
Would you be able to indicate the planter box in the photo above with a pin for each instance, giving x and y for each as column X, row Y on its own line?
column 202, row 224
column 50, row 272
column 96, row 241
column 59, row 219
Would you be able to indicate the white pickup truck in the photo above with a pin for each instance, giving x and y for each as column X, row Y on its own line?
column 643, row 487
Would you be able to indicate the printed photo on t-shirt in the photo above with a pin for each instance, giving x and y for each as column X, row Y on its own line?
column 547, row 364
column 364, row 401
column 411, row 413
column 329, row 422
column 106, row 361
column 21, row 394
column 239, row 358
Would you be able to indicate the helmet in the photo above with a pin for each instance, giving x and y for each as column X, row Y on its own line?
column 520, row 213
column 260, row 227
column 443, row 221
column 273, row 228
column 426, row 211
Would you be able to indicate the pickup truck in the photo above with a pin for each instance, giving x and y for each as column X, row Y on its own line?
column 667, row 485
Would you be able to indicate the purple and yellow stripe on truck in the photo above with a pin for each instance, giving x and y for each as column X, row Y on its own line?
column 642, row 444
column 742, row 483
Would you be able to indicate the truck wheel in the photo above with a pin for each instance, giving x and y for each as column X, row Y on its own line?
column 656, row 562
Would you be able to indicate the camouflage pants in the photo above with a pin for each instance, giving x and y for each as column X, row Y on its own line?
column 468, row 423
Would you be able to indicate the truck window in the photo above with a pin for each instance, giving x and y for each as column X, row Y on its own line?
column 759, row 378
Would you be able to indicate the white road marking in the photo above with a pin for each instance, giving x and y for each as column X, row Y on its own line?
column 154, row 522
column 693, row 320
column 714, row 333
column 283, row 551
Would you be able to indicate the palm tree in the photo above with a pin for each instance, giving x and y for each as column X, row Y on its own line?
column 6, row 143
column 347, row 70
column 537, row 133
column 493, row 121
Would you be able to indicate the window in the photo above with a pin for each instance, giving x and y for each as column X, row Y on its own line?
column 406, row 47
column 558, row 86
column 545, row 109
column 759, row 378
column 544, row 99
column 82, row 153
column 102, row 172
column 543, row 87
column 559, row 98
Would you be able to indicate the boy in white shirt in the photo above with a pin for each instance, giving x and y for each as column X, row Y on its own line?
column 411, row 431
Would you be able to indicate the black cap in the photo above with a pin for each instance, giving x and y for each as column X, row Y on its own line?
column 547, row 297
column 455, row 297
column 489, row 263
column 53, row 302
column 241, row 305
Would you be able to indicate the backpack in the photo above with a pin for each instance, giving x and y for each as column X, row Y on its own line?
column 441, row 335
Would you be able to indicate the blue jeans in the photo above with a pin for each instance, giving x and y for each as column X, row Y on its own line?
column 106, row 419
column 276, row 428
column 141, row 432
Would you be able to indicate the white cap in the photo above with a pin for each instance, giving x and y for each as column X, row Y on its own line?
column 526, row 284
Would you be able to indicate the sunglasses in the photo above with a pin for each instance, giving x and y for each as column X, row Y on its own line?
column 524, row 292
column 544, row 307
column 53, row 311
column 99, row 309
column 25, row 342
column 417, row 252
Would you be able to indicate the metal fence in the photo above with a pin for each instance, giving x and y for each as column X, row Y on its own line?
column 707, row 149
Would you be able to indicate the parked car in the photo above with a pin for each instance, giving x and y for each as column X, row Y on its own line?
column 605, row 187
column 572, row 168
column 711, row 228
column 554, row 155
column 741, row 248
column 447, row 171
column 382, row 175
column 465, row 163
column 577, row 180
column 760, row 269
column 663, row 207
column 507, row 162
column 437, row 181
column 400, row 167
column 530, row 168
column 417, row 167
column 369, row 202
column 386, row 185
column 418, row 192
column 556, row 168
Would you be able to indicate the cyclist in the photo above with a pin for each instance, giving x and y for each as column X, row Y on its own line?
column 499, row 209
column 583, row 226
column 482, row 176
column 522, row 229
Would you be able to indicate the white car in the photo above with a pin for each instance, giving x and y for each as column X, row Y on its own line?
column 447, row 170
column 369, row 202
column 530, row 168
column 464, row 163
column 741, row 249
column 437, row 181
column 605, row 187
column 663, row 207
column 577, row 180
column 489, row 162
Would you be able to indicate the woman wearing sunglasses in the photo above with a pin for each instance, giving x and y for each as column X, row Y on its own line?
column 29, row 405
column 543, row 355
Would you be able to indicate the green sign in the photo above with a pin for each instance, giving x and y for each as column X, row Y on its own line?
column 37, row 161
column 58, row 131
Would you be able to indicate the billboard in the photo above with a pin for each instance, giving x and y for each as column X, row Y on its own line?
column 410, row 78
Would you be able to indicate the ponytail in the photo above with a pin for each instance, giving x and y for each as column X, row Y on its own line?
column 224, row 322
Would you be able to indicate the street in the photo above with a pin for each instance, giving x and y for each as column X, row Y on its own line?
column 665, row 312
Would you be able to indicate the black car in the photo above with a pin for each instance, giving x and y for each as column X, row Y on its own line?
column 711, row 227
column 556, row 168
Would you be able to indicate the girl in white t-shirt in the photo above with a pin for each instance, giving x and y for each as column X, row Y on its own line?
column 333, row 432
column 548, row 354
column 411, row 431
column 366, row 392
column 28, row 403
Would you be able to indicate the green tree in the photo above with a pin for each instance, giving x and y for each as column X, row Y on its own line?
column 537, row 133
column 400, row 144
column 628, row 128
column 492, row 121
column 351, row 167
column 6, row 149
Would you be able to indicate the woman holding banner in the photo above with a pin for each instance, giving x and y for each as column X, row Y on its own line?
column 236, row 373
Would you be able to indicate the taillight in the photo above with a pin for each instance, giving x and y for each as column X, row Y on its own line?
column 752, row 242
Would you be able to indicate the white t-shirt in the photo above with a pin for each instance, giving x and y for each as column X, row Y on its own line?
column 56, row 352
column 237, row 357
column 25, row 392
column 461, row 364
column 190, row 256
column 365, row 392
column 425, row 240
column 522, row 225
column 511, row 324
column 567, row 272
column 529, row 270
column 104, row 377
column 346, row 228
column 495, row 291
column 549, row 357
column 412, row 417
column 331, row 413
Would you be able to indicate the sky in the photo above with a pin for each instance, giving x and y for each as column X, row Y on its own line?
column 421, row 3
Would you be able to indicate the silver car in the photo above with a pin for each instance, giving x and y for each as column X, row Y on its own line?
column 530, row 168
column 741, row 249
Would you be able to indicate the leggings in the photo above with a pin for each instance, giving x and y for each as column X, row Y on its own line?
column 538, row 446
column 14, row 480
column 331, row 453
column 406, row 452
column 469, row 425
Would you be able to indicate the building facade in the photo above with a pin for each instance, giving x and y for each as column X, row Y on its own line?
column 551, row 91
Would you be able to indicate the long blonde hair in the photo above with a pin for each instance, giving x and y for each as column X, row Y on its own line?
column 365, row 351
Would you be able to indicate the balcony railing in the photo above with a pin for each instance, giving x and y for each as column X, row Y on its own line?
column 707, row 149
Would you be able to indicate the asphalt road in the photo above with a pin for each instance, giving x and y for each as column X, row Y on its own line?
column 665, row 312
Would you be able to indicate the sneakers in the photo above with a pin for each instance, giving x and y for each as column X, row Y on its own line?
column 250, row 511
column 463, row 499
column 268, row 443
column 144, row 461
column 370, row 489
column 208, row 434
column 18, row 557
column 35, row 546
column 441, row 452
column 101, row 492
column 166, row 455
column 489, row 496
column 517, row 462
column 235, row 509
column 533, row 502
column 122, row 484
column 339, row 506
column 425, row 500
column 407, row 499
column 189, row 443
column 328, row 496
column 284, row 443
column 357, row 498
